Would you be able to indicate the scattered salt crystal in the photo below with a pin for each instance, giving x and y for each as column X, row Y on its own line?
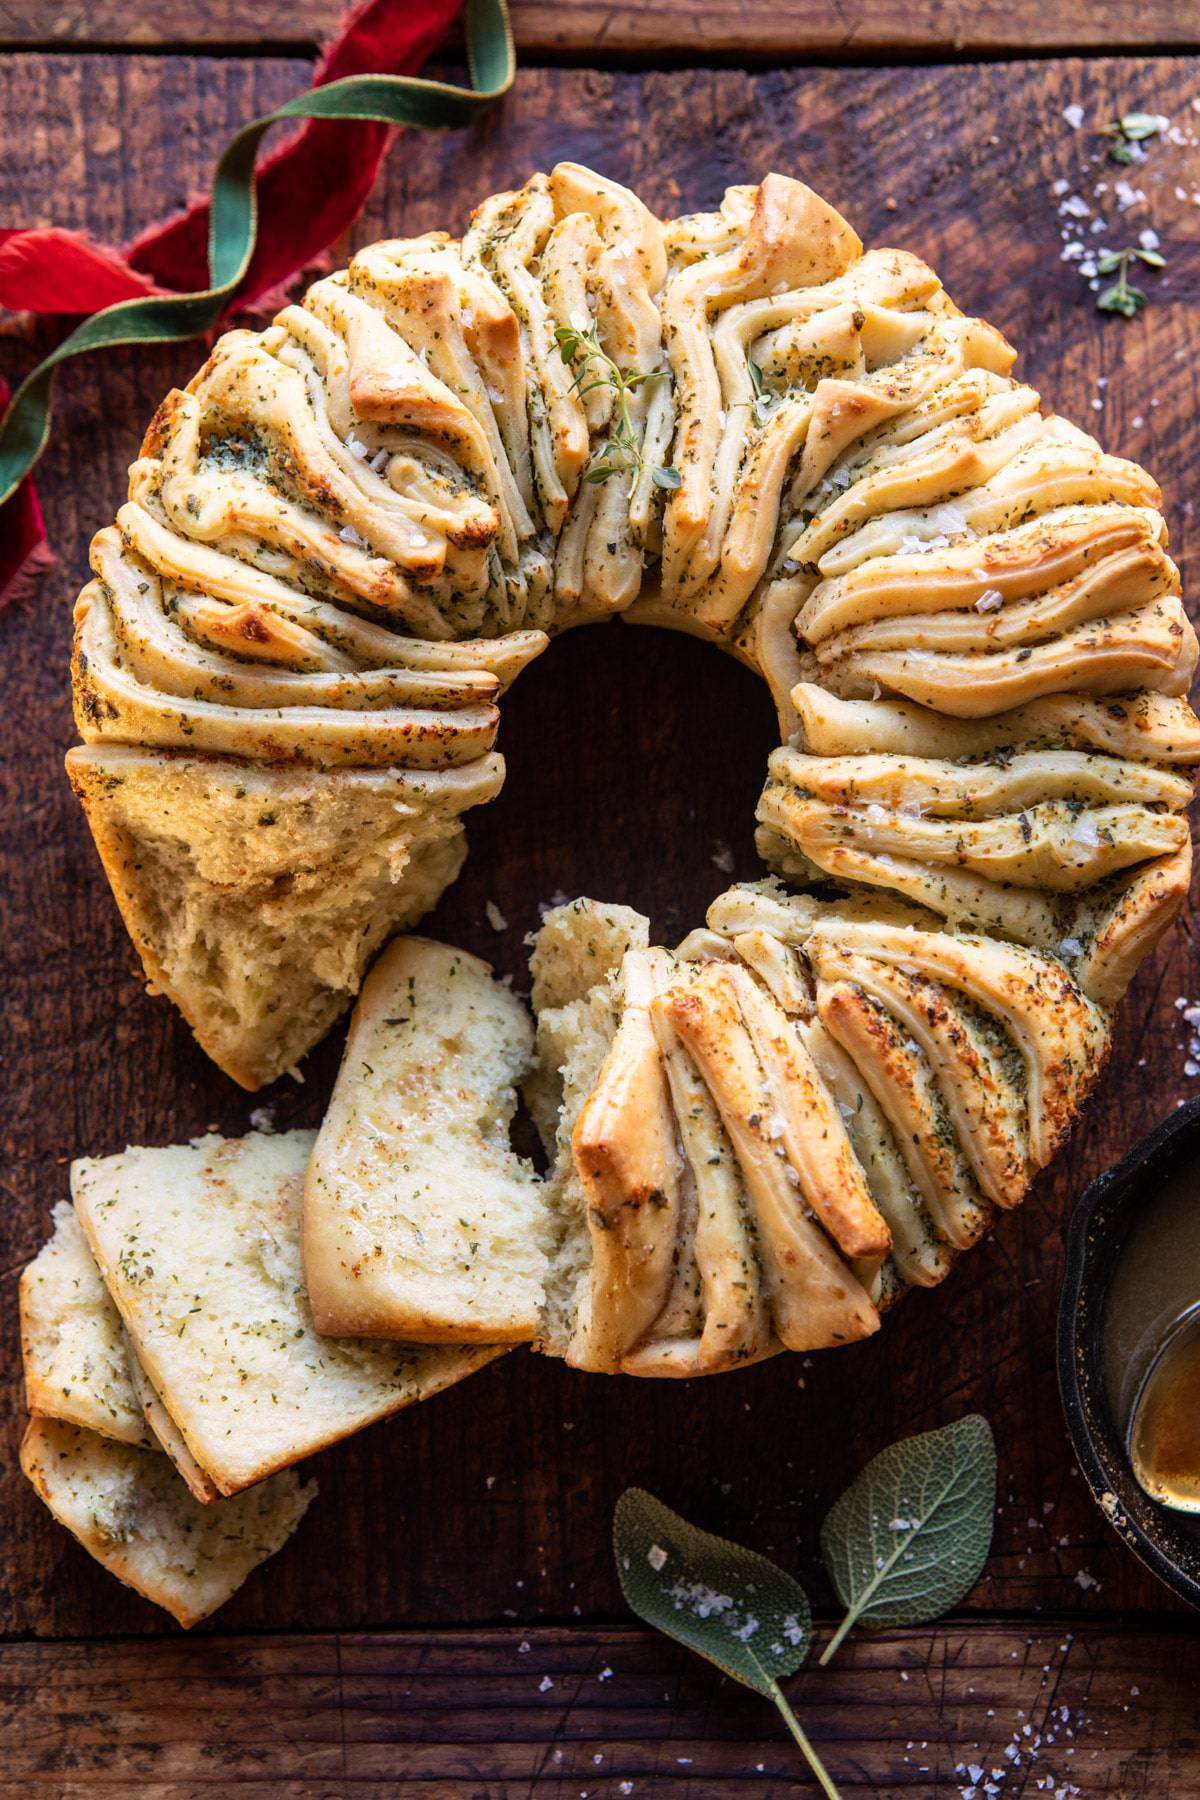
column 656, row 1556
column 604, row 1675
column 1073, row 114
column 262, row 1119
column 1148, row 239
column 991, row 600
column 523, row 1647
column 356, row 447
column 495, row 917
column 1084, row 1580
column 545, row 1684
column 348, row 535
column 722, row 856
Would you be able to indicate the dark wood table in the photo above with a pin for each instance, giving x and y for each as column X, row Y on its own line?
column 460, row 1555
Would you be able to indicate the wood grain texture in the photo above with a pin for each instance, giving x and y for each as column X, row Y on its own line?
column 680, row 31
column 634, row 758
column 501, row 1715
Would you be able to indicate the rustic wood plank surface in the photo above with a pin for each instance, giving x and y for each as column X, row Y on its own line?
column 634, row 759
column 608, row 1713
column 597, row 31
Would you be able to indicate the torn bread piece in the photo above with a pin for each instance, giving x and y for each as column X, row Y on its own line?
column 420, row 1221
column 258, row 895
column 72, row 1346
column 679, row 1224
column 199, row 1245
column 129, row 1509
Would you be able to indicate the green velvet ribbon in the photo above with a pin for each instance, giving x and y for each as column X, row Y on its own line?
column 233, row 221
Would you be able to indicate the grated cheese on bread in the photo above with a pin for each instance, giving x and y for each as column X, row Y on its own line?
column 199, row 1245
column 129, row 1510
column 420, row 1221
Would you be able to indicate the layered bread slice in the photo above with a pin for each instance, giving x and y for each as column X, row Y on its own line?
column 129, row 1509
column 199, row 1246
column 420, row 1222
column 73, row 1347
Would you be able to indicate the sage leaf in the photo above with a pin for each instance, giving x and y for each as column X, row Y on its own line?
column 731, row 1605
column 909, row 1537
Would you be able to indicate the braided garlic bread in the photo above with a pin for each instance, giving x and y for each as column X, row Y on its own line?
column 355, row 527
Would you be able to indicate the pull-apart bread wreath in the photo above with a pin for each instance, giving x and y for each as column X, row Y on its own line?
column 354, row 528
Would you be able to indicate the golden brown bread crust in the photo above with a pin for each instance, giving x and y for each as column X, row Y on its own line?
column 353, row 528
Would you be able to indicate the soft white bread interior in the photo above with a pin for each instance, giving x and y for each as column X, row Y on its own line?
column 576, row 964
column 72, row 1345
column 129, row 1509
column 166, row 1434
column 420, row 1222
column 199, row 1246
column 257, row 895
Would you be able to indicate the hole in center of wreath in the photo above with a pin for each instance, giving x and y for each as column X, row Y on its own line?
column 635, row 757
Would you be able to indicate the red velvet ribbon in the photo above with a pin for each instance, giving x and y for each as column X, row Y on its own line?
column 310, row 190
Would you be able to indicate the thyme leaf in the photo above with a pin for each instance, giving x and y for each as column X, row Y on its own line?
column 621, row 453
column 1122, row 297
column 1131, row 128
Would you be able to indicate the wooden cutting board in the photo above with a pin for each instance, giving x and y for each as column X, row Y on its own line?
column 460, row 1555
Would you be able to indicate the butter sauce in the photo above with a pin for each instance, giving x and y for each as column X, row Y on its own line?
column 1151, row 1343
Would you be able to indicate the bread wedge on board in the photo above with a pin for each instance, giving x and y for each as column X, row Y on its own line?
column 420, row 1221
column 129, row 1509
column 199, row 1245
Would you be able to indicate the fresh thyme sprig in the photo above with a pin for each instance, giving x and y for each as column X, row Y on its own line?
column 1122, row 297
column 763, row 401
column 620, row 453
column 1131, row 128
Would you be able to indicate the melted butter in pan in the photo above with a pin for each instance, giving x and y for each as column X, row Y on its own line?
column 1152, row 1343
